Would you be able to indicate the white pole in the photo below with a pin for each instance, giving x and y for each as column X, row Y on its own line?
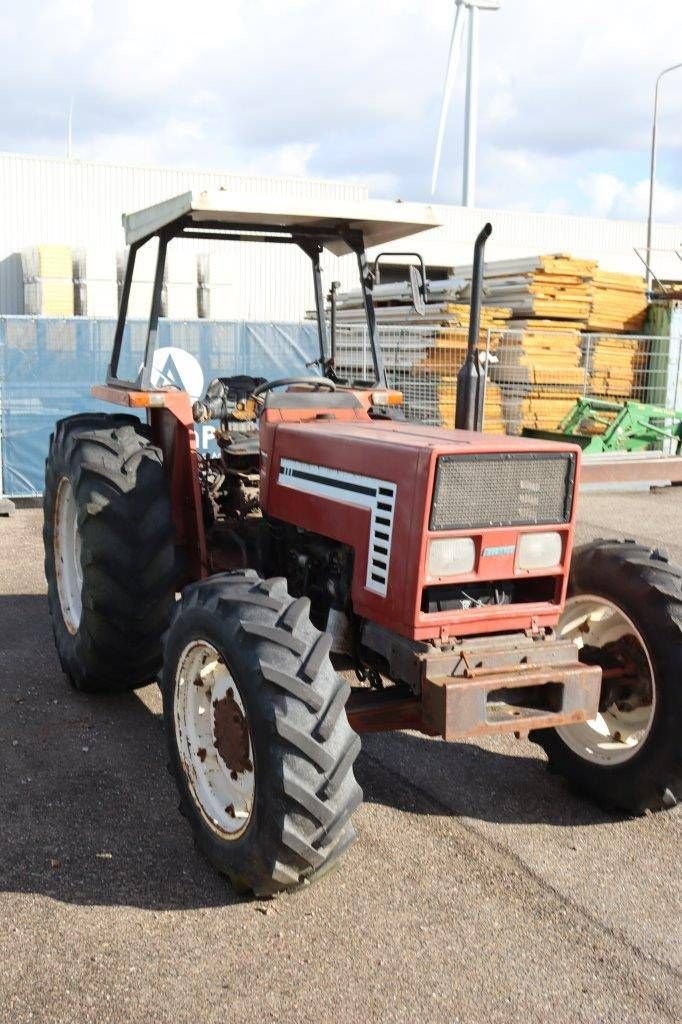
column 455, row 43
column 471, row 112
column 471, row 108
column 652, row 174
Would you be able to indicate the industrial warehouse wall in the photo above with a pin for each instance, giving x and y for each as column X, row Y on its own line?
column 47, row 368
column 79, row 203
column 46, row 200
column 515, row 235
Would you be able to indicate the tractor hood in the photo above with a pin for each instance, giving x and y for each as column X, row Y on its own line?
column 387, row 489
column 405, row 434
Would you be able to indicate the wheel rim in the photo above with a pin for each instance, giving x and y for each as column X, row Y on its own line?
column 627, row 709
column 67, row 556
column 214, row 739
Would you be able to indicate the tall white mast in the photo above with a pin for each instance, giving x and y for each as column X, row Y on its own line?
column 472, row 7
column 455, row 43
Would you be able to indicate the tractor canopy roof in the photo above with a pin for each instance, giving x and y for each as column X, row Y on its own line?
column 224, row 214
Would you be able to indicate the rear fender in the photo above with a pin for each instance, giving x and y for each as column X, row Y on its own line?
column 169, row 414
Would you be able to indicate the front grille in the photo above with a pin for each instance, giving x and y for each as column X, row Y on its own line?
column 503, row 489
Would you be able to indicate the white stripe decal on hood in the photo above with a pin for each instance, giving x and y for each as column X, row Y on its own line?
column 352, row 489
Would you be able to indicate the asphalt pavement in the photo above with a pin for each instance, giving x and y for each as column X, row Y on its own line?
column 480, row 888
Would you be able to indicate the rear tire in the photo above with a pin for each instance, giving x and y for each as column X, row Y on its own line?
column 109, row 551
column 624, row 607
column 259, row 741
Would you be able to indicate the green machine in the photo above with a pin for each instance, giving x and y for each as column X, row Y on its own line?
column 628, row 426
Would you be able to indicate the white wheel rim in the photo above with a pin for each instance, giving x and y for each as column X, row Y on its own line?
column 618, row 733
column 67, row 556
column 214, row 740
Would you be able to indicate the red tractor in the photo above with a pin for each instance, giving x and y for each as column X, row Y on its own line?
column 330, row 535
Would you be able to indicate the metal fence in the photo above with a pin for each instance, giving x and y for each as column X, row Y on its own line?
column 47, row 368
column 534, row 377
column 533, row 382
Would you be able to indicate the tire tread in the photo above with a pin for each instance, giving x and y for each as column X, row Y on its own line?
column 128, row 550
column 311, row 737
column 651, row 589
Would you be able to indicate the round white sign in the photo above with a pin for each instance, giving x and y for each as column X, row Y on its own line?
column 173, row 367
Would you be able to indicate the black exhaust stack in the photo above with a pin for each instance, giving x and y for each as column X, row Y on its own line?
column 471, row 379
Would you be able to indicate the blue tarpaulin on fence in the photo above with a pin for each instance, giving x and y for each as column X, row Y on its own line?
column 47, row 368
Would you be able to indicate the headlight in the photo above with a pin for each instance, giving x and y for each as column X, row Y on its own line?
column 451, row 556
column 539, row 551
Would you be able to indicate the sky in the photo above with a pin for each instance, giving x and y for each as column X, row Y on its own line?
column 351, row 90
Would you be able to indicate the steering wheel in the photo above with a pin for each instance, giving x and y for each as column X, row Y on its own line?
column 315, row 382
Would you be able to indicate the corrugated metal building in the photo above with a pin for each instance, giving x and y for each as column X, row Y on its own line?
column 46, row 200
column 79, row 203
column 517, row 234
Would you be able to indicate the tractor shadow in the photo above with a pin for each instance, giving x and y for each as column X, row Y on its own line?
column 89, row 814
column 508, row 785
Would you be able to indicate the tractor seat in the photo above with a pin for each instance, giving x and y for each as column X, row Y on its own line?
column 244, row 443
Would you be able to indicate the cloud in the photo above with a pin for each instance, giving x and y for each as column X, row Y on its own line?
column 290, row 161
column 610, row 196
column 351, row 90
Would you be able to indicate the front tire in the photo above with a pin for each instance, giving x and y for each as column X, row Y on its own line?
column 624, row 611
column 259, row 741
column 109, row 551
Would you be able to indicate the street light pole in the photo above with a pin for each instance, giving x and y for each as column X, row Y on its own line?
column 652, row 173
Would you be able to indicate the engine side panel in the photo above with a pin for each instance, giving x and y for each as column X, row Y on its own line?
column 359, row 492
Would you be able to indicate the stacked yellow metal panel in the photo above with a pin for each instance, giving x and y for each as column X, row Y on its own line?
column 446, row 355
column 560, row 288
column 619, row 303
column 554, row 287
column 617, row 368
column 48, row 280
column 538, row 371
